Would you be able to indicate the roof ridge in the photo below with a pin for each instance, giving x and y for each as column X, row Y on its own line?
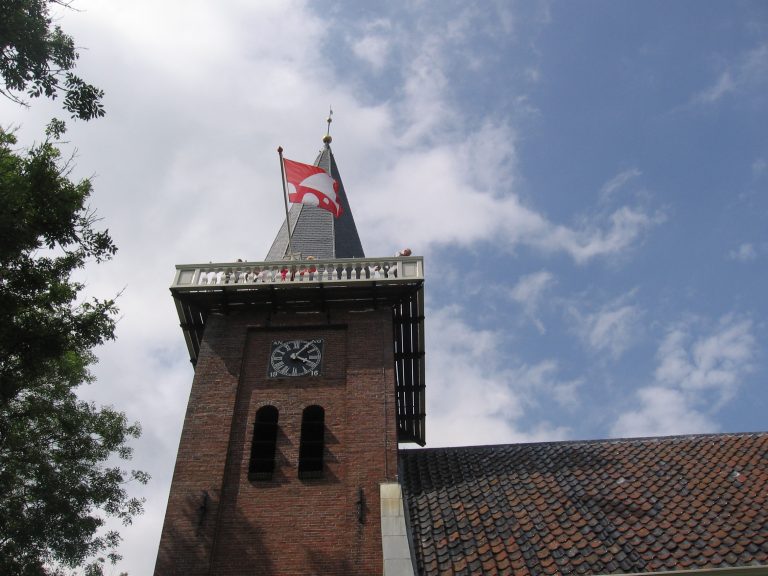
column 639, row 439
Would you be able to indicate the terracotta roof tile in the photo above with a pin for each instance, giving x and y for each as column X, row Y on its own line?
column 638, row 505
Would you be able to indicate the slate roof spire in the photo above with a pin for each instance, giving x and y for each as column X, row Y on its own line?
column 314, row 231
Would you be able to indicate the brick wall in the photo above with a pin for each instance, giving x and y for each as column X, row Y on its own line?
column 286, row 525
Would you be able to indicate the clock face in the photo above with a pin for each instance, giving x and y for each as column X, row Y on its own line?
column 295, row 358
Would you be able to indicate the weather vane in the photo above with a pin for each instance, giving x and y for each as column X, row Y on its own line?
column 327, row 138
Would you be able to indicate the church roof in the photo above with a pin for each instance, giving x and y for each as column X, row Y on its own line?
column 315, row 231
column 593, row 507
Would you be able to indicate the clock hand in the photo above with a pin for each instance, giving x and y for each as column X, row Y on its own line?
column 307, row 345
column 295, row 355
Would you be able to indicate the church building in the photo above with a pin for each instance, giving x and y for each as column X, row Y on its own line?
column 309, row 388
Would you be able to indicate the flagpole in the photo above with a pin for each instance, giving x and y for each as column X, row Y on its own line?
column 285, row 202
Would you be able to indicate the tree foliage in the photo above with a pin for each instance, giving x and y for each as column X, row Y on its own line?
column 55, row 486
column 60, row 472
column 37, row 57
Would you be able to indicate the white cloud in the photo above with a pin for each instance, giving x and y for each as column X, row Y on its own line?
column 530, row 288
column 624, row 227
column 715, row 362
column 528, row 293
column 539, row 384
column 533, row 74
column 744, row 253
column 444, row 180
column 617, row 182
column 612, row 329
column 749, row 70
column 723, row 86
column 374, row 46
column 661, row 412
column 372, row 49
column 759, row 166
column 694, row 378
column 424, row 107
column 474, row 396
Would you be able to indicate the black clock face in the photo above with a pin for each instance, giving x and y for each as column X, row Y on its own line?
column 295, row 358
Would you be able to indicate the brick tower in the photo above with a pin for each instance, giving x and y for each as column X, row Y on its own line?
column 308, row 372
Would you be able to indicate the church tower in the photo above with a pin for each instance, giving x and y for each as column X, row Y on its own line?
column 309, row 370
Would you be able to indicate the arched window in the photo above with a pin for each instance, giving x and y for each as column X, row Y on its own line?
column 312, row 442
column 262, row 464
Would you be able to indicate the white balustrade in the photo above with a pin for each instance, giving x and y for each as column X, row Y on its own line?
column 406, row 268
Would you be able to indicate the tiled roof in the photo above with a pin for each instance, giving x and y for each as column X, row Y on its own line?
column 596, row 507
column 314, row 231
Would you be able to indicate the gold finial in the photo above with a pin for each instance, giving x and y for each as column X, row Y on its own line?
column 327, row 138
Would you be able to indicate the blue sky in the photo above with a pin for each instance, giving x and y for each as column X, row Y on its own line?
column 588, row 184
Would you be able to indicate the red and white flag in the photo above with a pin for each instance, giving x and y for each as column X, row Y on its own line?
column 312, row 186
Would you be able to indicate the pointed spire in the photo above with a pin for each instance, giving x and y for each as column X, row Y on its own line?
column 314, row 231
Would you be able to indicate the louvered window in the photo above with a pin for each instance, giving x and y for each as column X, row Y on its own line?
column 312, row 443
column 262, row 464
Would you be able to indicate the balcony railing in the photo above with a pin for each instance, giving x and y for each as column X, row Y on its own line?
column 343, row 270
